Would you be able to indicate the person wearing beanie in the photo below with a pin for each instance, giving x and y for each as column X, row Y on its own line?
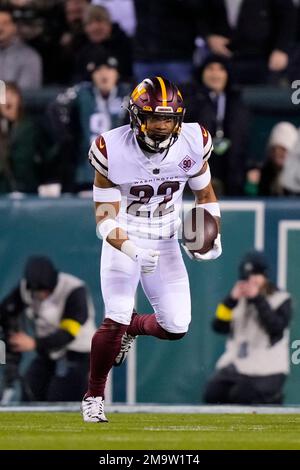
column 256, row 316
column 60, row 312
column 93, row 107
column 102, row 36
column 267, row 180
column 212, row 101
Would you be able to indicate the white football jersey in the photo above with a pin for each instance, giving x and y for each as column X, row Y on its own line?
column 151, row 185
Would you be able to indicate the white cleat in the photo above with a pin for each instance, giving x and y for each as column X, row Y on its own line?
column 92, row 409
column 126, row 343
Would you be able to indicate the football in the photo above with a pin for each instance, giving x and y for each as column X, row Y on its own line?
column 200, row 229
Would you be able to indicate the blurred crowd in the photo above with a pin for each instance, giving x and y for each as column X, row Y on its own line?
column 95, row 51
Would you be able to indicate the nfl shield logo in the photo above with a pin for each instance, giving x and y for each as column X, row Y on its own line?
column 187, row 163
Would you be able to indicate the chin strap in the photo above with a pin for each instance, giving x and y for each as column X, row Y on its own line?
column 150, row 143
column 161, row 146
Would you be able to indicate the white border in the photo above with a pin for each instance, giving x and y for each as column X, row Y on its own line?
column 284, row 227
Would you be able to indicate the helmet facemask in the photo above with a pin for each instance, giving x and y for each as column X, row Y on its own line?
column 155, row 143
column 156, row 97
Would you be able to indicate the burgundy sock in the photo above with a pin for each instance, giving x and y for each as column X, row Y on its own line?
column 106, row 344
column 146, row 325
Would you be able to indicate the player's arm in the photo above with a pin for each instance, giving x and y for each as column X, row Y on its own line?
column 205, row 196
column 107, row 198
column 204, row 193
column 200, row 183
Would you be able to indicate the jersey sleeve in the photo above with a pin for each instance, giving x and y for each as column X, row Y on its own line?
column 98, row 156
column 207, row 143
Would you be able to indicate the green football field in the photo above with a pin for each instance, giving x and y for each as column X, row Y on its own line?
column 149, row 431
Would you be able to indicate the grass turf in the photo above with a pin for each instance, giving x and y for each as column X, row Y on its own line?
column 149, row 431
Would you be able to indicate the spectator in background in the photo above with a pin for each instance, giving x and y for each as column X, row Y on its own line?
column 255, row 364
column 211, row 101
column 61, row 313
column 267, row 180
column 294, row 63
column 84, row 112
column 74, row 11
column 102, row 37
column 39, row 25
column 290, row 176
column 256, row 35
column 19, row 145
column 122, row 12
column 30, row 3
column 165, row 38
column 71, row 39
column 19, row 63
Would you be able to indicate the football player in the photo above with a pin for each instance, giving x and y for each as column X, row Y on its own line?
column 141, row 170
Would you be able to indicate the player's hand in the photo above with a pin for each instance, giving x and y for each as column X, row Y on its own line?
column 214, row 253
column 188, row 252
column 148, row 259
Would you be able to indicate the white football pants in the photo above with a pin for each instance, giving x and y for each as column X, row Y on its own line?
column 167, row 288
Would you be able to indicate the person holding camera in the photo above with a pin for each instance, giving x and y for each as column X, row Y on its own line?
column 57, row 311
column 256, row 315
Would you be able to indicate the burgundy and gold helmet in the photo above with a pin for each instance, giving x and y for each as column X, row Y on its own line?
column 160, row 97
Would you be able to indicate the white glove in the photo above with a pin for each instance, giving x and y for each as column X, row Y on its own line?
column 187, row 251
column 148, row 259
column 214, row 253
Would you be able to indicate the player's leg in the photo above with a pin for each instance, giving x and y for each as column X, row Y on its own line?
column 119, row 280
column 168, row 292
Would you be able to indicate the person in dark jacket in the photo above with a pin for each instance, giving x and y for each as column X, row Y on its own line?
column 211, row 101
column 19, row 63
column 103, row 36
column 60, row 311
column 256, row 35
column 20, row 145
column 165, row 38
column 256, row 315
column 83, row 112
